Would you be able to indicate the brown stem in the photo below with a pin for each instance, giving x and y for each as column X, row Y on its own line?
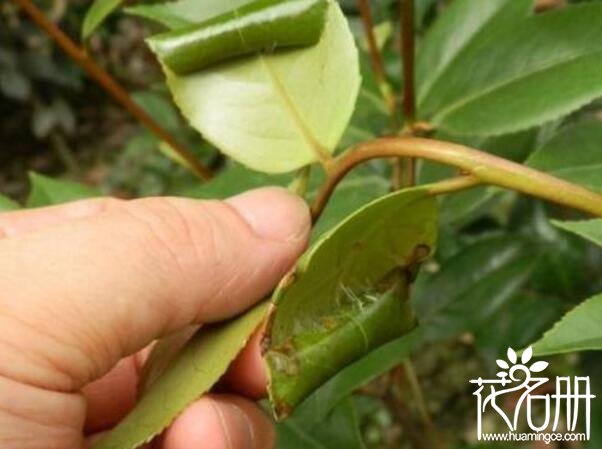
column 480, row 168
column 412, row 379
column 406, row 14
column 110, row 85
column 376, row 59
column 400, row 411
column 406, row 9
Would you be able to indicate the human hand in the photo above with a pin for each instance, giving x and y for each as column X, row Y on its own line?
column 86, row 286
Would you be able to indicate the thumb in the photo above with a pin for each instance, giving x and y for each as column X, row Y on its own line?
column 80, row 296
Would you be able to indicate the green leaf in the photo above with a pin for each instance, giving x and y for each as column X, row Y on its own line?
column 371, row 116
column 96, row 14
column 578, row 330
column 13, row 84
column 158, row 107
column 468, row 288
column 47, row 191
column 588, row 229
column 55, row 115
column 163, row 352
column 260, row 26
column 574, row 154
column 183, row 13
column 338, row 430
column 520, row 321
column 277, row 112
column 462, row 24
column 7, row 204
column 232, row 180
column 563, row 266
column 192, row 373
column 524, row 72
column 347, row 294
column 352, row 193
column 319, row 404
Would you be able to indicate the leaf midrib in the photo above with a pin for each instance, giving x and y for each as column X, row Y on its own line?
column 320, row 152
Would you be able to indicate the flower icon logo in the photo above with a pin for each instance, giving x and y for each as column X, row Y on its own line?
column 508, row 367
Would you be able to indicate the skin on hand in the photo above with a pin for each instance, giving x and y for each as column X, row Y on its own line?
column 86, row 287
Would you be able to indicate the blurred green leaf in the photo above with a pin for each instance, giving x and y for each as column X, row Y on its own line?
column 47, row 191
column 96, row 14
column 43, row 121
column 574, row 154
column 54, row 115
column 562, row 266
column 192, row 373
column 158, row 107
column 467, row 289
column 338, row 430
column 290, row 129
column 260, row 26
column 355, row 191
column 235, row 179
column 578, row 330
column 524, row 72
column 348, row 294
column 460, row 26
column 7, row 204
column 370, row 117
column 14, row 84
column 588, row 229
column 521, row 320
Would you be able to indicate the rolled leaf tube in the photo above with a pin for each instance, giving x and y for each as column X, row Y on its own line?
column 308, row 359
column 263, row 25
column 347, row 295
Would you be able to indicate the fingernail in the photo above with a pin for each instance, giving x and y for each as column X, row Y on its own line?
column 274, row 213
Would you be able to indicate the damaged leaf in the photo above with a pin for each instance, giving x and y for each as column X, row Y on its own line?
column 348, row 294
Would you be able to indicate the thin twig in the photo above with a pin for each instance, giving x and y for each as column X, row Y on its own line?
column 376, row 60
column 406, row 16
column 397, row 406
column 110, row 85
column 412, row 378
column 406, row 10
column 378, row 67
column 481, row 167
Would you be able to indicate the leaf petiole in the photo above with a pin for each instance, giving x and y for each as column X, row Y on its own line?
column 479, row 168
